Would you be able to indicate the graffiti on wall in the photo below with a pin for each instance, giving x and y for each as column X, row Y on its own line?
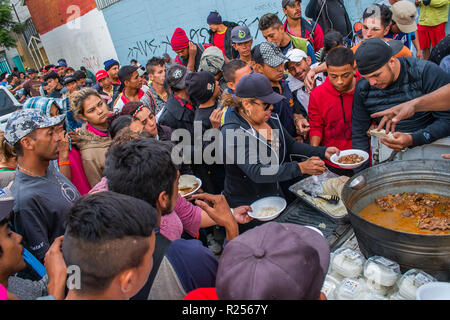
column 147, row 48
column 91, row 63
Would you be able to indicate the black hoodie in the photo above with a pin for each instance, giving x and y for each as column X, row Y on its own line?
column 230, row 52
column 245, row 182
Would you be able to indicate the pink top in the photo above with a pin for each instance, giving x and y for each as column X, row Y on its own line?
column 3, row 293
column 184, row 217
column 96, row 131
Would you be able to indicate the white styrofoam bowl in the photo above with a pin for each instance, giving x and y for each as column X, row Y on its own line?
column 257, row 206
column 434, row 291
column 360, row 153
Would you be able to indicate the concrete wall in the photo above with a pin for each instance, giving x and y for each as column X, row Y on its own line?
column 84, row 41
column 73, row 29
column 141, row 29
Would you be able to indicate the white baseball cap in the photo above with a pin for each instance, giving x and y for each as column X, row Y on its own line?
column 296, row 55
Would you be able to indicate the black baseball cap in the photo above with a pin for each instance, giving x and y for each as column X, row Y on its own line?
column 200, row 86
column 126, row 71
column 256, row 85
column 374, row 53
column 31, row 71
column 69, row 79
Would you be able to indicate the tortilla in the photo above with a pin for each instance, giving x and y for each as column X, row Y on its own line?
column 381, row 134
column 187, row 182
column 334, row 186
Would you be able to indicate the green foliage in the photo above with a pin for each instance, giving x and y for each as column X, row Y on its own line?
column 7, row 24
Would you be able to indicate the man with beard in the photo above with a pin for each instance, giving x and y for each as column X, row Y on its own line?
column 298, row 26
column 389, row 81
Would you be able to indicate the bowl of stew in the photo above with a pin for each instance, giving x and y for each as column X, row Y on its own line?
column 350, row 159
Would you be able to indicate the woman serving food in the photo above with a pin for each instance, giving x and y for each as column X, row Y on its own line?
column 257, row 148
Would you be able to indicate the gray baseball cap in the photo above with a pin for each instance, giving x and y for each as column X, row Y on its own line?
column 270, row 54
column 290, row 3
column 241, row 34
column 6, row 203
column 212, row 60
column 23, row 122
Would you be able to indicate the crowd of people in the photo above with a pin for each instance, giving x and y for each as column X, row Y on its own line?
column 88, row 174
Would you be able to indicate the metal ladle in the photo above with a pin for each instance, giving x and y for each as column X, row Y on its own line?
column 358, row 183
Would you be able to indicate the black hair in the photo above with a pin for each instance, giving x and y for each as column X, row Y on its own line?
column 340, row 57
column 51, row 75
column 107, row 233
column 70, row 68
column 269, row 20
column 332, row 39
column 62, row 60
column 11, row 77
column 385, row 14
column 257, row 56
column 3, row 222
column 133, row 60
column 118, row 123
column 49, row 67
column 153, row 62
column 230, row 68
column 79, row 75
column 141, row 168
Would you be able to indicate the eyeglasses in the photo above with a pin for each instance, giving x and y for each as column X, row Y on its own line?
column 266, row 106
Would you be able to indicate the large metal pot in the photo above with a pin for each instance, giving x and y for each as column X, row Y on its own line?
column 430, row 253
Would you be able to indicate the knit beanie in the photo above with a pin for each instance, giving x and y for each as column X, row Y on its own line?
column 214, row 18
column 110, row 63
column 179, row 40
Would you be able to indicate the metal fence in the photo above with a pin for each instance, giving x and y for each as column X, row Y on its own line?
column 4, row 65
column 102, row 4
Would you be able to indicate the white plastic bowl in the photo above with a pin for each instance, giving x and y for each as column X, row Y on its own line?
column 360, row 153
column 434, row 291
column 257, row 206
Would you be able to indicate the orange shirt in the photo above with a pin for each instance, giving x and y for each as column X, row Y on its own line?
column 405, row 52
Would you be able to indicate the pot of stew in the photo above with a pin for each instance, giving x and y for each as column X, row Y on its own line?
column 401, row 210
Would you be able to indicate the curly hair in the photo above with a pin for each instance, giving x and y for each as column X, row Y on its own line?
column 77, row 100
column 6, row 151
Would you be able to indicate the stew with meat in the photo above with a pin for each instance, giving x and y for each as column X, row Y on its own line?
column 421, row 213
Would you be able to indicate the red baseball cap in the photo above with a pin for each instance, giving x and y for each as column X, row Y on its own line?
column 101, row 74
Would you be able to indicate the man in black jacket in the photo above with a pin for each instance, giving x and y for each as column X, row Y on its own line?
column 220, row 35
column 388, row 81
column 330, row 14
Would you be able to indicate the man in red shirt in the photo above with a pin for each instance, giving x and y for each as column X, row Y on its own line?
column 330, row 105
column 301, row 27
column 220, row 35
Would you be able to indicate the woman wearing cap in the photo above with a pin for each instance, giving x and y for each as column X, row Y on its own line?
column 250, row 175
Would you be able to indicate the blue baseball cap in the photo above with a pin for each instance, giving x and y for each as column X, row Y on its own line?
column 256, row 85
